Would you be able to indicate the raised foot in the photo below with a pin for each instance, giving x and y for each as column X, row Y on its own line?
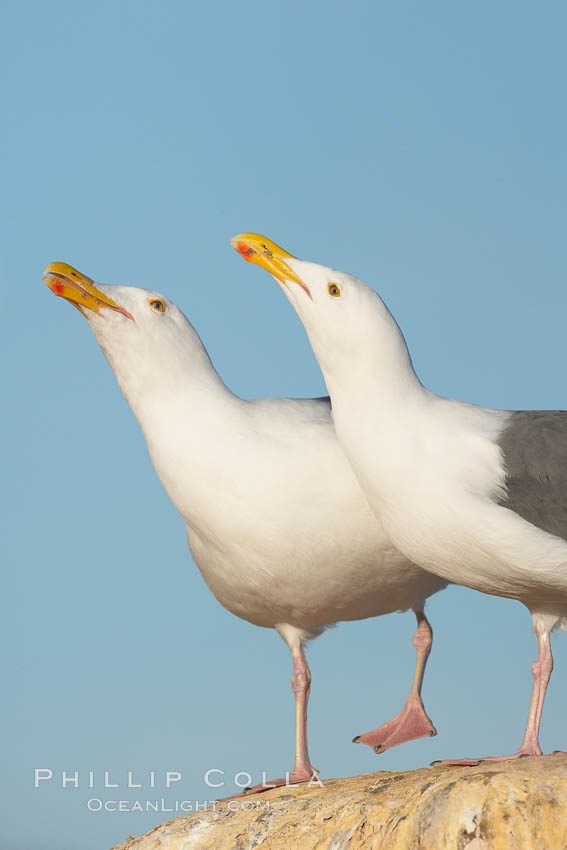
column 411, row 723
column 521, row 754
column 293, row 778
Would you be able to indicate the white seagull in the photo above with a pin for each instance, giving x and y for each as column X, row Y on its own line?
column 478, row 496
column 276, row 521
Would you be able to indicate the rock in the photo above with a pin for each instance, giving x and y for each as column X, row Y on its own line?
column 518, row 805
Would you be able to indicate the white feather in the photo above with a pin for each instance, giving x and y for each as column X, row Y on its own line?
column 430, row 467
column 276, row 521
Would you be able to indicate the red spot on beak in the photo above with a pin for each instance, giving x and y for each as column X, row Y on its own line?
column 57, row 288
column 245, row 250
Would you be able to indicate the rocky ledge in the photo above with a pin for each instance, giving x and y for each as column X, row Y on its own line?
column 519, row 805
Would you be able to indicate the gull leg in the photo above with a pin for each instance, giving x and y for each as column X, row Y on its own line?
column 541, row 672
column 301, row 686
column 303, row 770
column 412, row 722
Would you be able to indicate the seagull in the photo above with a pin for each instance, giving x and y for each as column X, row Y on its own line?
column 475, row 495
column 276, row 522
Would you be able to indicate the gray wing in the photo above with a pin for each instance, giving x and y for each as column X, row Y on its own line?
column 534, row 447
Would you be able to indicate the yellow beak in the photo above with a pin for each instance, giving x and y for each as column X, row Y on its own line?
column 80, row 290
column 265, row 253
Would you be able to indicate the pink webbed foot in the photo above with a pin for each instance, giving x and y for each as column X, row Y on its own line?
column 293, row 778
column 411, row 723
column 521, row 754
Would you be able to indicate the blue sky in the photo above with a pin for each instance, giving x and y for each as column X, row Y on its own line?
column 418, row 146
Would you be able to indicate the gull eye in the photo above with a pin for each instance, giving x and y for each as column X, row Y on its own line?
column 157, row 304
column 334, row 290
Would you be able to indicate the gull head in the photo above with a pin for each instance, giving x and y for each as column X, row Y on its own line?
column 147, row 340
column 343, row 317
